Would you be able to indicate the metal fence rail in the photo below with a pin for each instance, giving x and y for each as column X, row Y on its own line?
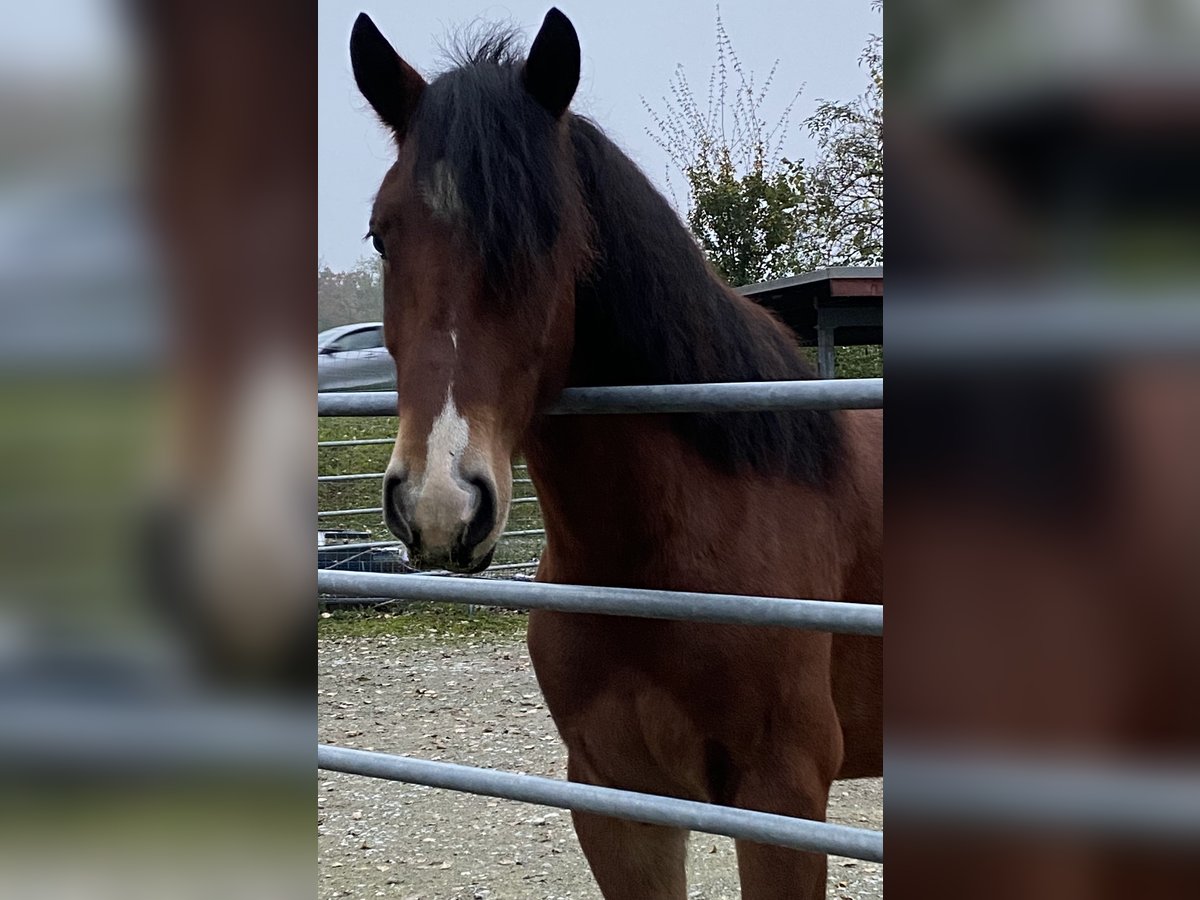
column 342, row 513
column 753, row 396
column 372, row 476
column 845, row 618
column 370, row 545
column 501, row 567
column 733, row 609
column 1062, row 324
column 804, row 834
column 368, row 510
column 1126, row 801
column 357, row 442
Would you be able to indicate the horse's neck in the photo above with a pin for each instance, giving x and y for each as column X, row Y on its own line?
column 606, row 485
column 627, row 502
column 621, row 497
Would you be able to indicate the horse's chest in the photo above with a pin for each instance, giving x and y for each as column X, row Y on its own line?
column 622, row 724
column 644, row 702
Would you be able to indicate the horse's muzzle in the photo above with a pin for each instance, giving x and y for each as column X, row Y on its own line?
column 449, row 530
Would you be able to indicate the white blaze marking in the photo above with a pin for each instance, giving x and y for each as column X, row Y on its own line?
column 454, row 340
column 443, row 501
column 441, row 192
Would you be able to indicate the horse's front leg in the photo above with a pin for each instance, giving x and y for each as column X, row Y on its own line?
column 775, row 873
column 630, row 860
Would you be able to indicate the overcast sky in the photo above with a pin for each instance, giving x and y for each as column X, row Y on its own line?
column 630, row 50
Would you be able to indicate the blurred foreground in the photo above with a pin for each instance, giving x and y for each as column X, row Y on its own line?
column 1043, row 450
column 157, row 231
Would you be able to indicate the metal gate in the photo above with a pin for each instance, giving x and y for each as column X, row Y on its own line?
column 845, row 618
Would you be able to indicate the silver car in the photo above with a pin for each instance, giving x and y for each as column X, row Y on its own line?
column 353, row 358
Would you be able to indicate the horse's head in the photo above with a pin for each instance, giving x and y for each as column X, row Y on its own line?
column 482, row 232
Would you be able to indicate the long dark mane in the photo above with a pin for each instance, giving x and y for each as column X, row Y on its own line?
column 652, row 311
column 649, row 308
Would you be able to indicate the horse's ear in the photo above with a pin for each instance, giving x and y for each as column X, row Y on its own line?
column 391, row 85
column 552, row 70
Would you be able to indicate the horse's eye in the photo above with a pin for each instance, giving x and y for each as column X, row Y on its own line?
column 378, row 242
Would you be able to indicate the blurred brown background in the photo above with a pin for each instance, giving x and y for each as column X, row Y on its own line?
column 1042, row 447
column 157, row 234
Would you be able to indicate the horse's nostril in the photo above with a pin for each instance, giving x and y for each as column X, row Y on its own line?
column 393, row 508
column 484, row 518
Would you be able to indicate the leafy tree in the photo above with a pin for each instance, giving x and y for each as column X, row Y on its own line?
column 745, row 208
column 844, row 187
column 758, row 215
column 843, row 191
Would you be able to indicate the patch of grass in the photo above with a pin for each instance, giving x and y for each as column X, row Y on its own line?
column 423, row 620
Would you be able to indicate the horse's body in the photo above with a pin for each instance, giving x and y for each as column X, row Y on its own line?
column 733, row 715
column 525, row 253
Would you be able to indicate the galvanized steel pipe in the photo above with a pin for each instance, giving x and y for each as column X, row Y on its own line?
column 816, row 615
column 751, row 396
column 744, row 824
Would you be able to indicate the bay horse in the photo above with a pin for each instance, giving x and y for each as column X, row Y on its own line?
column 524, row 253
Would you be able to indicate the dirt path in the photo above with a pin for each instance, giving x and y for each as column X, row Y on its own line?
column 476, row 702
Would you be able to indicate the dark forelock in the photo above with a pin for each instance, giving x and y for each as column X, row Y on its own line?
column 499, row 146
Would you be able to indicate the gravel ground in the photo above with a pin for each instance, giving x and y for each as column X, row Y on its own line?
column 475, row 701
